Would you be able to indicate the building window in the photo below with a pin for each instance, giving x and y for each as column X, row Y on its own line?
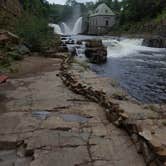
column 106, row 23
column 106, row 11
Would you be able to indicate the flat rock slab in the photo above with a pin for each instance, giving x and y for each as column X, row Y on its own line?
column 146, row 124
column 49, row 142
column 46, row 125
column 63, row 157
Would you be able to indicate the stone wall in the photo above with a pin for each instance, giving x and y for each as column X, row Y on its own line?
column 97, row 24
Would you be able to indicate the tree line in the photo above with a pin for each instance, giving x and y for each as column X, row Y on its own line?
column 126, row 10
column 32, row 26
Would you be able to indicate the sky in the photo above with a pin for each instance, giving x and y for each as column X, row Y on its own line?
column 63, row 1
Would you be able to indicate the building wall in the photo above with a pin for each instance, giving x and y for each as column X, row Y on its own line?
column 100, row 24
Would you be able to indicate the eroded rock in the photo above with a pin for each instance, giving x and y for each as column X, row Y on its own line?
column 96, row 52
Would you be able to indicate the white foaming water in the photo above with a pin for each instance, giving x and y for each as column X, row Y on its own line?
column 57, row 28
column 77, row 27
column 127, row 47
column 67, row 30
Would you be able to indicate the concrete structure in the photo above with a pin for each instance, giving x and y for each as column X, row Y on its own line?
column 101, row 20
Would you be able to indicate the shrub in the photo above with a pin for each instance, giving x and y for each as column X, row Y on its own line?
column 34, row 31
column 15, row 55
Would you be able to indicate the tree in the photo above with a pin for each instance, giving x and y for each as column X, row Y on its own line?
column 71, row 2
column 116, row 6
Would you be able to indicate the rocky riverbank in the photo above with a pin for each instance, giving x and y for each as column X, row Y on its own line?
column 50, row 125
column 48, row 121
column 145, row 126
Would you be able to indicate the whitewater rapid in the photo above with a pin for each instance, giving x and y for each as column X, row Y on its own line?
column 128, row 47
column 64, row 29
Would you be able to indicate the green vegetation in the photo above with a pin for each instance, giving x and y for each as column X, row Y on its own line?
column 35, row 31
column 132, row 15
column 32, row 26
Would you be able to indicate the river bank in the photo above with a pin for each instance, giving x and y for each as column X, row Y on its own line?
column 137, row 119
column 57, row 105
column 139, row 69
column 38, row 104
column 48, row 121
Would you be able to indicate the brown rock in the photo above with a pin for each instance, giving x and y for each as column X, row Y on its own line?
column 8, row 37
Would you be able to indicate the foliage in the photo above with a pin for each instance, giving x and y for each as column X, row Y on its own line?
column 14, row 55
column 115, row 5
column 36, row 7
column 34, row 30
column 138, row 10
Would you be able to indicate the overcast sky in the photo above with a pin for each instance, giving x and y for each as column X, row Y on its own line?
column 63, row 1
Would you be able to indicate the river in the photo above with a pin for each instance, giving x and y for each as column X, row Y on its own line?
column 140, row 70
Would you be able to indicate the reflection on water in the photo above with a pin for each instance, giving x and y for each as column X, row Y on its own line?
column 140, row 70
column 74, row 118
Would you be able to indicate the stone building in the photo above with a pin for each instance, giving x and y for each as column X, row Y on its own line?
column 101, row 20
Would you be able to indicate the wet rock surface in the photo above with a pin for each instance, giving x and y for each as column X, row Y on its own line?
column 95, row 51
column 157, row 42
column 50, row 125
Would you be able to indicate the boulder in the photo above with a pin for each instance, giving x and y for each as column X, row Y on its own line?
column 96, row 55
column 96, row 52
column 63, row 48
column 157, row 42
column 22, row 49
column 93, row 43
column 8, row 38
column 69, row 41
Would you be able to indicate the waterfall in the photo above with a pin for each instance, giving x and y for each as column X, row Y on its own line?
column 57, row 28
column 67, row 30
column 77, row 27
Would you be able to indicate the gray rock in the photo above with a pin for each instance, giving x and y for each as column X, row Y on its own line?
column 157, row 42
